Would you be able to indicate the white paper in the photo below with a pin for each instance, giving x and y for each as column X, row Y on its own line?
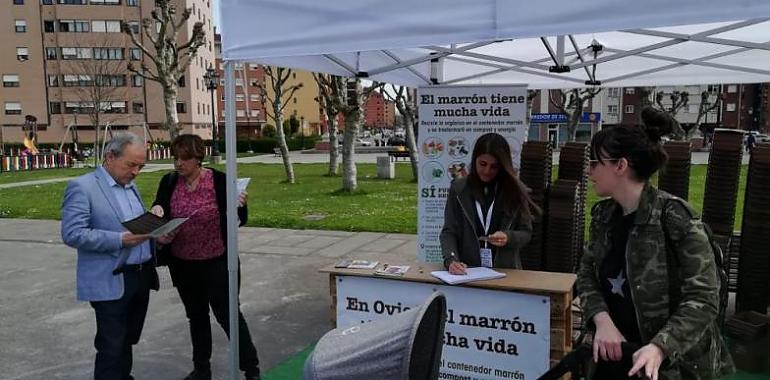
column 242, row 184
column 168, row 227
column 472, row 274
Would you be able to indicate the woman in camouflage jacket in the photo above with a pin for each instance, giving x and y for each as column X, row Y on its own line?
column 648, row 275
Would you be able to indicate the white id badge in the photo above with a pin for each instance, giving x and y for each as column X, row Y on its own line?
column 486, row 257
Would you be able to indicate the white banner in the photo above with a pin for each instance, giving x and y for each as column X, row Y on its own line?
column 490, row 334
column 451, row 119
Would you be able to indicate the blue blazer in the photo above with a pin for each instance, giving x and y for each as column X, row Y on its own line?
column 91, row 222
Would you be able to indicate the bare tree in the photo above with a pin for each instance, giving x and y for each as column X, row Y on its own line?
column 531, row 95
column 351, row 109
column 99, row 84
column 171, row 58
column 679, row 100
column 571, row 103
column 406, row 103
column 706, row 106
column 331, row 97
column 281, row 95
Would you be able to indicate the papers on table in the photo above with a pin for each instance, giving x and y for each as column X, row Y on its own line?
column 150, row 224
column 242, row 183
column 472, row 274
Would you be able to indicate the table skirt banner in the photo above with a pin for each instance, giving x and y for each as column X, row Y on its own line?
column 490, row 334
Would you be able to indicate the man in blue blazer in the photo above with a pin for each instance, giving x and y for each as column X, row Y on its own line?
column 115, row 268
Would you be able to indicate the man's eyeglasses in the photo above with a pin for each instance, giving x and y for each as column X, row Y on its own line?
column 594, row 163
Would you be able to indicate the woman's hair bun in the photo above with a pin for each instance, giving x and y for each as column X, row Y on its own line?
column 656, row 123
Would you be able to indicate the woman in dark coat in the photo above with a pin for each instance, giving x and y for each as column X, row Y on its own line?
column 196, row 253
column 488, row 214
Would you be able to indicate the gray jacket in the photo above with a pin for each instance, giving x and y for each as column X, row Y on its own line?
column 459, row 238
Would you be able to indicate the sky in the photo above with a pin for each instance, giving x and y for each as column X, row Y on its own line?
column 215, row 9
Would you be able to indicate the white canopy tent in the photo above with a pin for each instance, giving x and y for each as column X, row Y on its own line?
column 545, row 44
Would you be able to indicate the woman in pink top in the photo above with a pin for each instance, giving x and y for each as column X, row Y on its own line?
column 196, row 251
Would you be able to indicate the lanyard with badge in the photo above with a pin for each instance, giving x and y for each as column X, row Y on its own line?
column 485, row 252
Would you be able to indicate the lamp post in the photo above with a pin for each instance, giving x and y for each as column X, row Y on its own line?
column 211, row 78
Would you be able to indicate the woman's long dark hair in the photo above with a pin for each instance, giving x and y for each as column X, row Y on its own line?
column 514, row 194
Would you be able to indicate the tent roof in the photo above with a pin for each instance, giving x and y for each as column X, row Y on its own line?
column 643, row 43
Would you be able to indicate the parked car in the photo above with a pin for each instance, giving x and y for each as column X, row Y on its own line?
column 363, row 142
column 396, row 141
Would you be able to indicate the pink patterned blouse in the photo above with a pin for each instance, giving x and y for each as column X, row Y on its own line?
column 199, row 238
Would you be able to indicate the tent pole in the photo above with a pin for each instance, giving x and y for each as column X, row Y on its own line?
column 232, row 215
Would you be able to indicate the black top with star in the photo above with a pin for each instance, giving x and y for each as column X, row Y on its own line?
column 614, row 280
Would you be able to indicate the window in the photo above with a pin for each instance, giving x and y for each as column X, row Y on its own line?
column 629, row 109
column 181, row 82
column 21, row 26
column 253, row 66
column 295, row 100
column 75, row 80
column 239, row 97
column 78, row 107
column 50, row 53
column 113, row 107
column 10, row 80
column 713, row 88
column 197, row 84
column 22, row 53
column 137, row 107
column 73, row 2
column 47, row 2
column 732, row 88
column 239, row 81
column 135, row 54
column 240, row 113
column 54, row 108
column 18, row 2
column 76, row 53
column 49, row 26
column 254, row 83
column 53, row 81
column 254, row 113
column 12, row 108
column 199, row 108
column 254, row 97
column 612, row 109
column 613, row 92
column 630, row 91
column 294, row 75
column 74, row 26
column 730, row 107
column 181, row 107
column 106, row 26
column 238, row 66
column 111, row 80
column 132, row 3
column 112, row 54
column 134, row 25
column 105, row 2
column 137, row 81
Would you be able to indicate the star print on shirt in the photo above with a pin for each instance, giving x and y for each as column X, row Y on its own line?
column 617, row 284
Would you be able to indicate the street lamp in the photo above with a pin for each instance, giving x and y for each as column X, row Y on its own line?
column 211, row 78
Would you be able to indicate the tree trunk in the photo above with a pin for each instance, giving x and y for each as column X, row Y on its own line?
column 334, row 148
column 287, row 166
column 411, row 142
column 574, row 119
column 349, row 181
column 172, row 118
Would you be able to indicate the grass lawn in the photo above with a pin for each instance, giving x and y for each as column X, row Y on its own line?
column 379, row 205
column 34, row 175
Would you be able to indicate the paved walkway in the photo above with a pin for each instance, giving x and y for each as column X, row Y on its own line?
column 47, row 334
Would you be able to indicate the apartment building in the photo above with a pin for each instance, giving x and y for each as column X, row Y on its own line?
column 379, row 112
column 63, row 47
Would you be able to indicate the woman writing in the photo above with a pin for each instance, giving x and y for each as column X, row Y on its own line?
column 197, row 251
column 488, row 214
column 648, row 275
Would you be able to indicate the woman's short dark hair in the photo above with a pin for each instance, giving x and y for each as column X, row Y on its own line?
column 515, row 193
column 188, row 146
column 640, row 145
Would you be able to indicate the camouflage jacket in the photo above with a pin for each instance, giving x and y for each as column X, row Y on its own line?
column 675, row 311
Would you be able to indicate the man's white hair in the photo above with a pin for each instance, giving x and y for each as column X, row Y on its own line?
column 118, row 144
